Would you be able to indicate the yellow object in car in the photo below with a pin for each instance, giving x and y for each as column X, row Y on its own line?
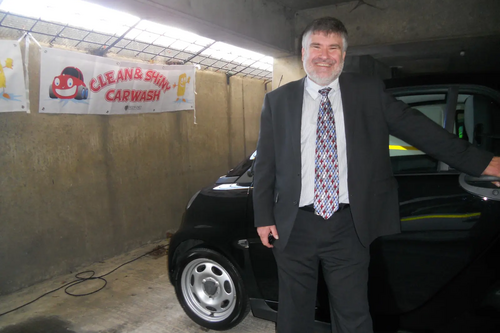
column 397, row 147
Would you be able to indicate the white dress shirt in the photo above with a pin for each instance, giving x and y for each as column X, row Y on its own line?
column 310, row 109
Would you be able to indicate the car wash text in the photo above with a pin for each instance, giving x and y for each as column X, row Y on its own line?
column 130, row 95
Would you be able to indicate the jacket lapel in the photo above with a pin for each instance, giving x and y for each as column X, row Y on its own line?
column 349, row 101
column 295, row 108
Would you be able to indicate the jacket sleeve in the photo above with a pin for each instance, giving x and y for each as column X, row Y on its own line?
column 264, row 170
column 418, row 130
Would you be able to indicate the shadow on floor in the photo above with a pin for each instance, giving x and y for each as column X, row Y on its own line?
column 40, row 325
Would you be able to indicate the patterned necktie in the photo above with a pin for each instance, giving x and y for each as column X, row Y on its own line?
column 326, row 182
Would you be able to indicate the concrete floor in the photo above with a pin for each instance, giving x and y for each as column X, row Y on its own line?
column 137, row 298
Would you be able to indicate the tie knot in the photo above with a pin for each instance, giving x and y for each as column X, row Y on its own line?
column 325, row 91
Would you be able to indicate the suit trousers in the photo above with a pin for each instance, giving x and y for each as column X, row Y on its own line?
column 334, row 245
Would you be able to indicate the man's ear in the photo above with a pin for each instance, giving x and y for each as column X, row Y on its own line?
column 303, row 53
column 343, row 56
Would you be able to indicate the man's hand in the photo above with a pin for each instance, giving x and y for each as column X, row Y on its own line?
column 493, row 169
column 264, row 233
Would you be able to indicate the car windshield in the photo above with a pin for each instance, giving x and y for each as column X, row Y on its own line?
column 73, row 72
column 242, row 167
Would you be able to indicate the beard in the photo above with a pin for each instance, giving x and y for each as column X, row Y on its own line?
column 321, row 79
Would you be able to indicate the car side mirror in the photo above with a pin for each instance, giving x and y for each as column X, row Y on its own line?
column 480, row 186
column 250, row 171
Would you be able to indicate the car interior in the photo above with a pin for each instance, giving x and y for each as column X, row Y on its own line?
column 475, row 119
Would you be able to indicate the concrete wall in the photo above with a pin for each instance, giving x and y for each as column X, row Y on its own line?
column 75, row 189
column 287, row 69
column 366, row 65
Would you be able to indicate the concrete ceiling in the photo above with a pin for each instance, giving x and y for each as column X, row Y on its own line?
column 424, row 36
column 297, row 5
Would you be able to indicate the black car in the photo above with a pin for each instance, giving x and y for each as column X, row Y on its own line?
column 442, row 273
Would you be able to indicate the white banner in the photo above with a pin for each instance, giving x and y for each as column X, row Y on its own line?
column 12, row 87
column 72, row 82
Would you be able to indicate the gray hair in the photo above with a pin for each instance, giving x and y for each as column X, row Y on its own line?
column 327, row 25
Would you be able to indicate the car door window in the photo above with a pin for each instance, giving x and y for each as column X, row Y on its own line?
column 478, row 121
column 406, row 158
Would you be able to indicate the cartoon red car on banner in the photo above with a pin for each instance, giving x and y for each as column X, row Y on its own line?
column 69, row 85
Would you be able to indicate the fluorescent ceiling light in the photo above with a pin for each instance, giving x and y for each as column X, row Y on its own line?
column 193, row 48
column 180, row 45
column 164, row 41
column 75, row 13
column 147, row 37
column 230, row 52
column 93, row 17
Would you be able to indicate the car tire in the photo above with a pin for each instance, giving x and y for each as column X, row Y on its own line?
column 210, row 289
column 51, row 92
column 82, row 93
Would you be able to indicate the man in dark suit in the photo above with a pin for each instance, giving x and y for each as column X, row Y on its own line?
column 323, row 184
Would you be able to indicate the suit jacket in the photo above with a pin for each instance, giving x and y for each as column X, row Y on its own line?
column 370, row 115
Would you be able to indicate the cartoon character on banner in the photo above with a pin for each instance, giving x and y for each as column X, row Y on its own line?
column 3, row 79
column 69, row 85
column 181, row 86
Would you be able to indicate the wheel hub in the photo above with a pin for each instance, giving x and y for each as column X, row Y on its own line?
column 210, row 287
column 209, row 291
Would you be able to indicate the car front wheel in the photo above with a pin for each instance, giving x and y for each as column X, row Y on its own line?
column 51, row 92
column 210, row 289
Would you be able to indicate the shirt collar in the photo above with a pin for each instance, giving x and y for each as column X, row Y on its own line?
column 312, row 87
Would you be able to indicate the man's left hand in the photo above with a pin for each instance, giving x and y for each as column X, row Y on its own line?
column 493, row 169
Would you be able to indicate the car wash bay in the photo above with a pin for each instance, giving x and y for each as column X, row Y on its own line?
column 78, row 190
column 138, row 298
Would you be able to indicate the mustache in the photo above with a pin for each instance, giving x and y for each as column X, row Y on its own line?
column 324, row 61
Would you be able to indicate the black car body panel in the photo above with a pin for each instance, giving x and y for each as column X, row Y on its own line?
column 444, row 263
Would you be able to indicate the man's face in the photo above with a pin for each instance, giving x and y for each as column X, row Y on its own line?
column 323, row 57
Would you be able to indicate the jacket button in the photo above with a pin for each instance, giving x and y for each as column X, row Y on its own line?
column 298, row 174
column 295, row 202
